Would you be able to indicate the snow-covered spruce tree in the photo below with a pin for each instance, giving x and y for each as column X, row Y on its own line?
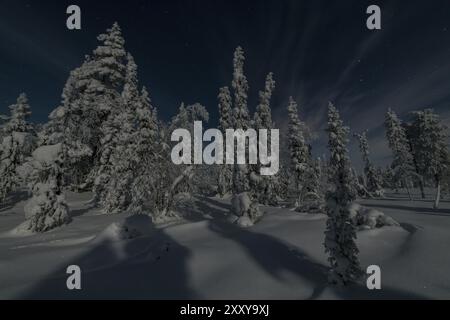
column 313, row 198
column 299, row 152
column 402, row 165
column 47, row 208
column 148, row 155
column 20, row 113
column 185, row 119
column 168, row 180
column 419, row 171
column 373, row 184
column 119, row 170
column 90, row 93
column 3, row 120
column 262, row 119
column 244, row 203
column 17, row 144
column 340, row 232
column 430, row 147
column 388, row 178
column 10, row 160
column 225, row 122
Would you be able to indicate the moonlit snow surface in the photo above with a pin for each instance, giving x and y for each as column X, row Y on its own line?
column 205, row 256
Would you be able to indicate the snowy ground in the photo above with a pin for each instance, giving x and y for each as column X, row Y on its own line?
column 206, row 257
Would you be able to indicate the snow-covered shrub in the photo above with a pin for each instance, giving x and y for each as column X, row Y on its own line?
column 47, row 208
column 366, row 218
column 245, row 209
column 132, row 227
column 16, row 145
column 312, row 203
column 15, row 148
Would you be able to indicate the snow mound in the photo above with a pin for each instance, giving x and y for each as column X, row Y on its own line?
column 22, row 230
column 244, row 222
column 240, row 204
column 366, row 219
column 47, row 155
column 135, row 226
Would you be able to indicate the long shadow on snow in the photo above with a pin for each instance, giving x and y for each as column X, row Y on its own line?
column 275, row 256
column 79, row 212
column 417, row 210
column 13, row 199
column 150, row 267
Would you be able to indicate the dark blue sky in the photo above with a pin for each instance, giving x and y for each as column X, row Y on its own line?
column 318, row 51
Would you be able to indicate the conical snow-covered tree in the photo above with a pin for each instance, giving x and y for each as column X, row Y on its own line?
column 373, row 184
column 20, row 113
column 118, row 172
column 150, row 162
column 167, row 180
column 17, row 143
column 225, row 122
column 10, row 160
column 3, row 120
column 263, row 114
column 340, row 232
column 299, row 151
column 402, row 165
column 430, row 147
column 92, row 91
column 47, row 208
column 263, row 120
column 241, row 117
column 313, row 195
column 244, row 204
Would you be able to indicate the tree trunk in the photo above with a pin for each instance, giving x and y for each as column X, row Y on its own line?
column 407, row 190
column 422, row 190
column 438, row 194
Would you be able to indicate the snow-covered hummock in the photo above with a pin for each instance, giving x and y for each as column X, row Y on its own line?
column 132, row 227
column 241, row 205
column 47, row 208
column 367, row 218
column 48, row 155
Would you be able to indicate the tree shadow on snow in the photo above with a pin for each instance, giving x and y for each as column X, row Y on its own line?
column 273, row 255
column 12, row 199
column 276, row 257
column 148, row 267
column 82, row 211
column 417, row 210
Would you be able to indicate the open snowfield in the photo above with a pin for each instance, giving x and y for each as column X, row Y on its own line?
column 207, row 257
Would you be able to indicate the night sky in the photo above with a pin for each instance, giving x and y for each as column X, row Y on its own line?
column 319, row 51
